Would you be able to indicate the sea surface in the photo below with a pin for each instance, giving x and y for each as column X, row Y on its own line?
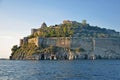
column 60, row 70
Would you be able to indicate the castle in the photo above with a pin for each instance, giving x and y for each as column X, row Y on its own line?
column 72, row 47
column 105, row 47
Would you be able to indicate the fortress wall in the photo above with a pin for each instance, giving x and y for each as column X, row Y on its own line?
column 55, row 41
column 107, row 43
column 107, row 46
column 63, row 42
column 113, row 44
column 49, row 41
column 83, row 43
column 103, row 46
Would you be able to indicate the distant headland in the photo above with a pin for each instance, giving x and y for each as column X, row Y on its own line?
column 68, row 41
column 4, row 59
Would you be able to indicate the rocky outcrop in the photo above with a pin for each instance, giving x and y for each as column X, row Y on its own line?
column 61, row 43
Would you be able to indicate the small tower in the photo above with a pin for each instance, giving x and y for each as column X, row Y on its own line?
column 84, row 22
column 25, row 40
column 43, row 25
column 21, row 42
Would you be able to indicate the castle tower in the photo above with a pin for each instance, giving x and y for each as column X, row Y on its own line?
column 21, row 42
column 25, row 40
column 43, row 25
column 84, row 22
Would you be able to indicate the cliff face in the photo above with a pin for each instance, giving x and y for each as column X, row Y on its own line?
column 86, row 42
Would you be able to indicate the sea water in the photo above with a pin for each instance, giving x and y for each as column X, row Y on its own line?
column 60, row 70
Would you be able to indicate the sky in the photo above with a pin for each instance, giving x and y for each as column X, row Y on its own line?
column 17, row 17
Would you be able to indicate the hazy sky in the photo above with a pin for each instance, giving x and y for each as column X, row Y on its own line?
column 17, row 17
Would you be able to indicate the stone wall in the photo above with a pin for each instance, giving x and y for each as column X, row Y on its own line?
column 84, row 43
column 66, row 42
column 105, row 47
column 34, row 41
column 55, row 41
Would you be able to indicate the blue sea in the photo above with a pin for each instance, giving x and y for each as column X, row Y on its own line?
column 60, row 70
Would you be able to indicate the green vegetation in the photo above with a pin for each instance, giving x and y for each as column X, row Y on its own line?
column 74, row 29
column 56, row 31
column 28, row 50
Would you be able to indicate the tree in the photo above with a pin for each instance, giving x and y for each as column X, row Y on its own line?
column 14, row 48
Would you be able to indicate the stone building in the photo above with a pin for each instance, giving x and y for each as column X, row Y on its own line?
column 43, row 25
